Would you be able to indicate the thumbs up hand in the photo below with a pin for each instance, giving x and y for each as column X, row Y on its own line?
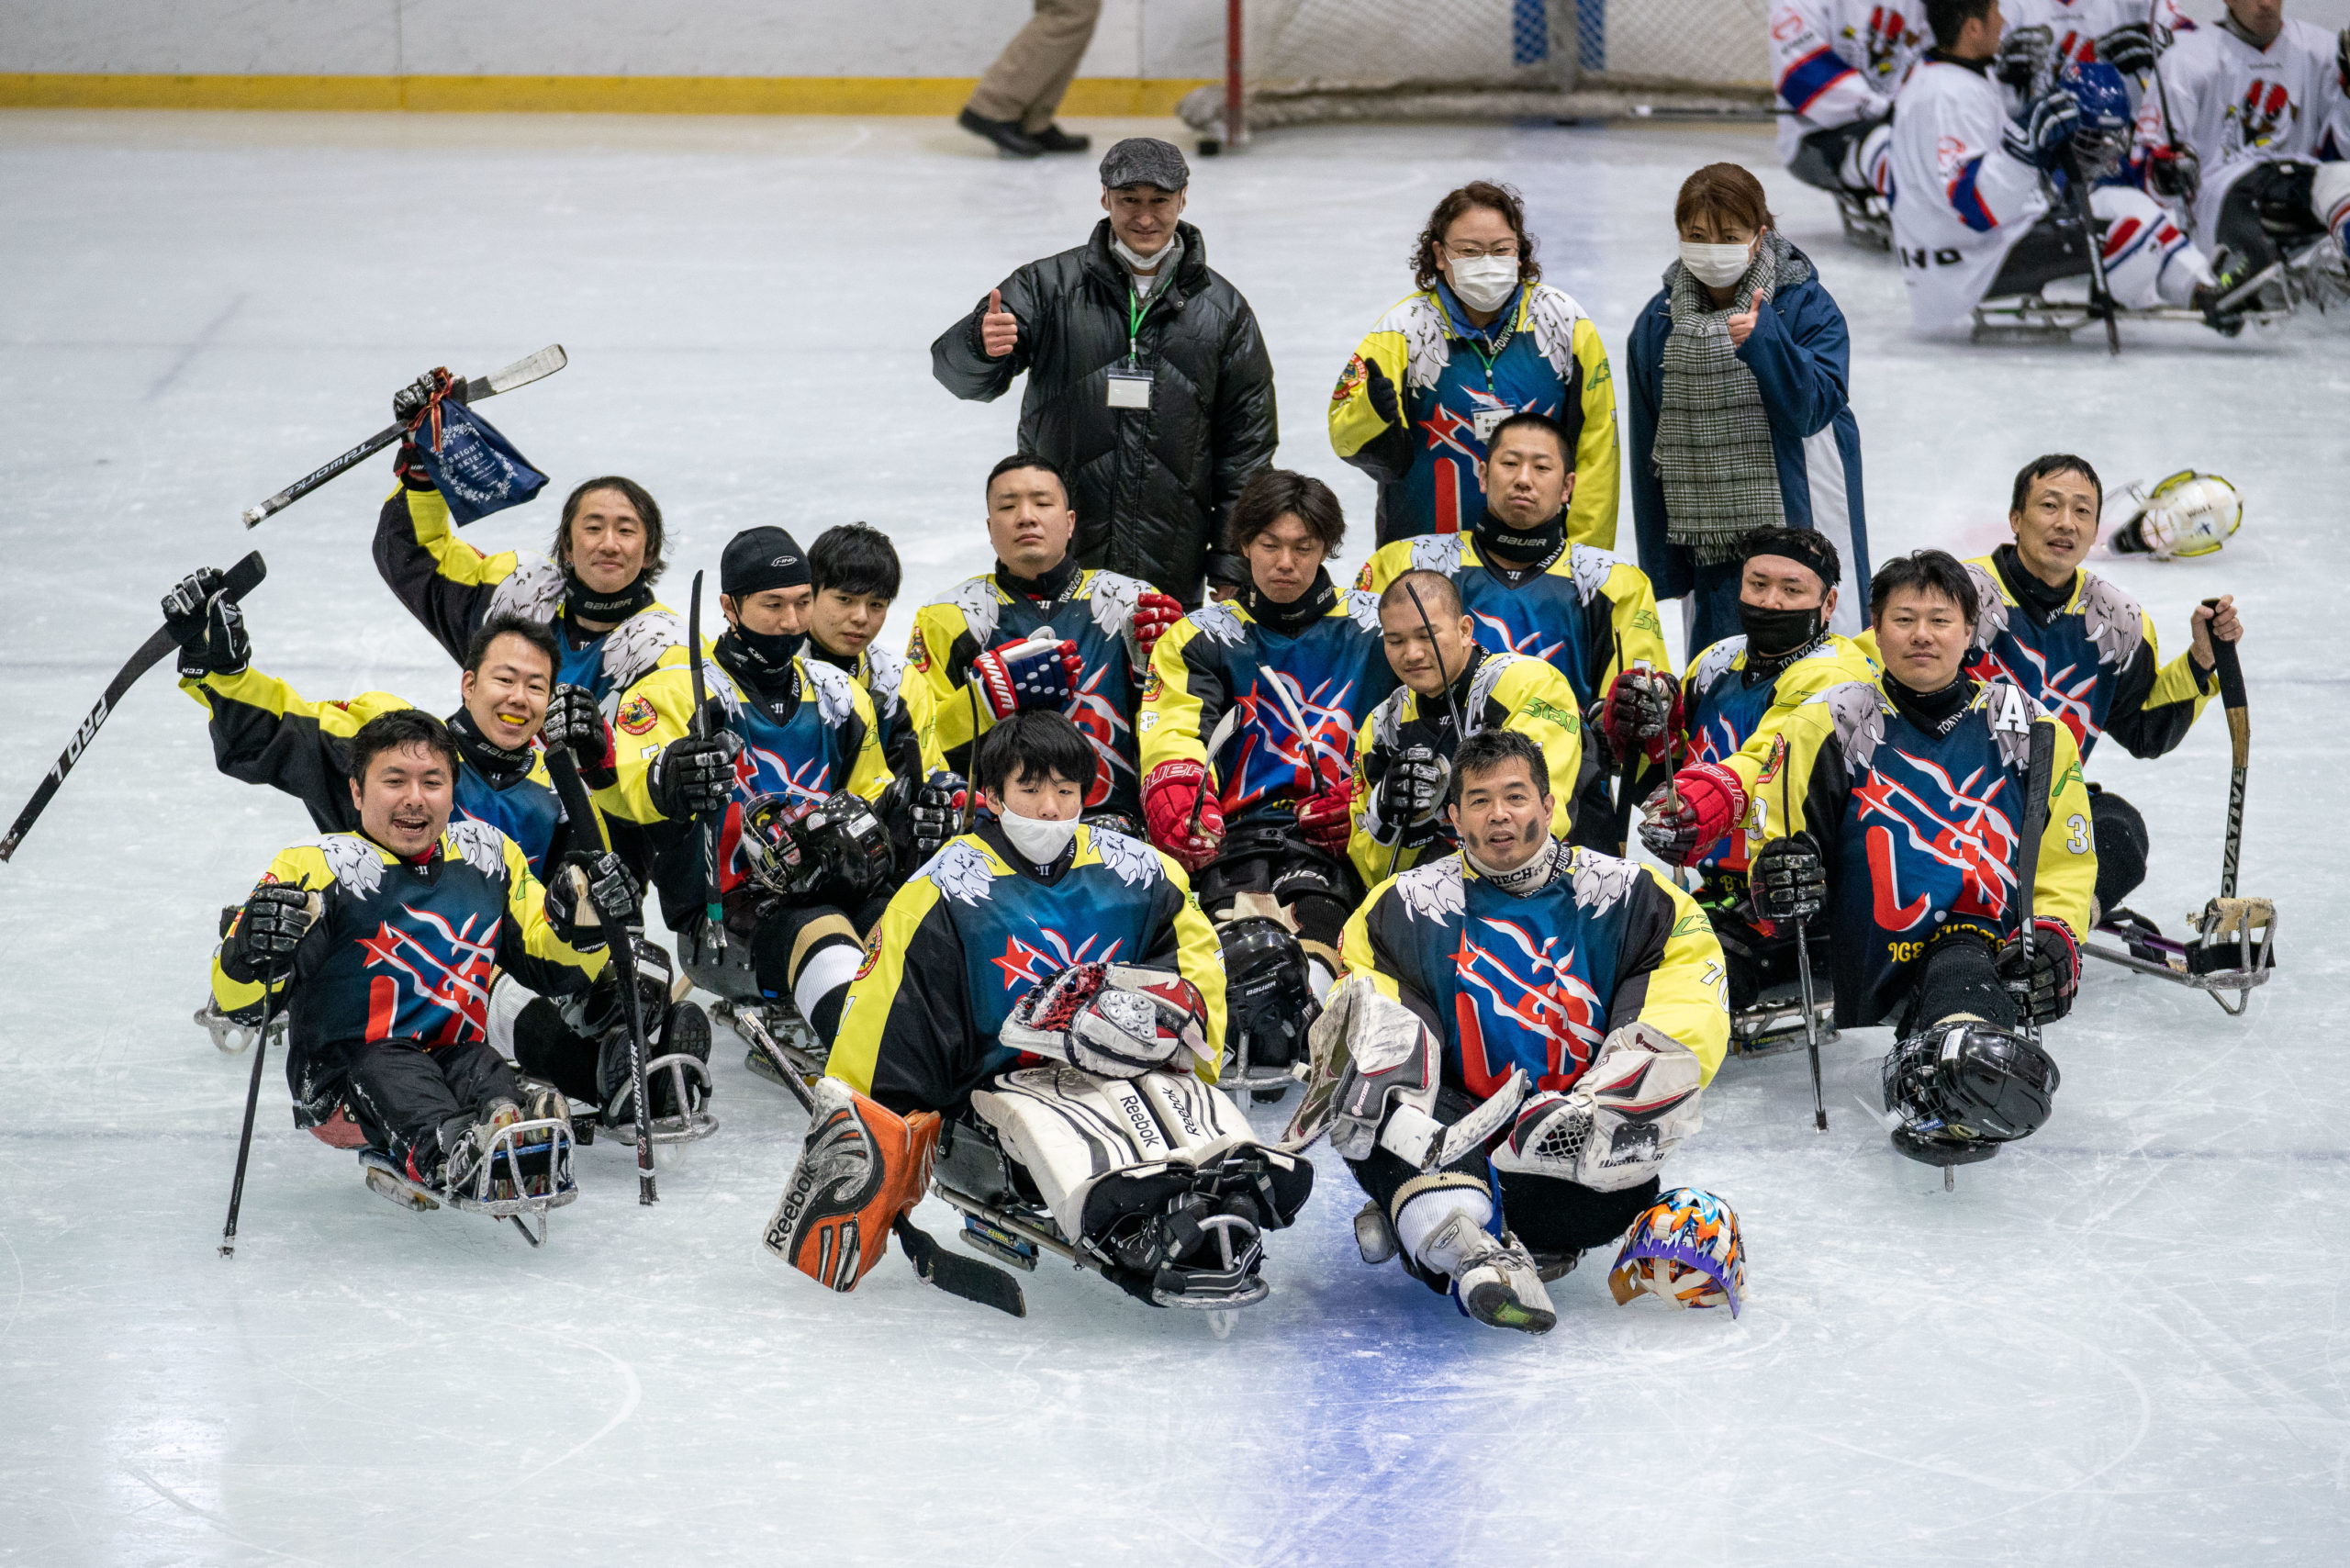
column 1741, row 322
column 998, row 328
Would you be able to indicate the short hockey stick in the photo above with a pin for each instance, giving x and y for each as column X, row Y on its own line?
column 241, row 580
column 590, row 828
column 2100, row 295
column 2225, row 664
column 2042, row 762
column 522, row 373
column 1216, row 738
column 714, row 909
column 245, row 1138
column 1803, row 948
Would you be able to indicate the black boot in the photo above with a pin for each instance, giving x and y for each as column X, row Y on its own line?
column 1053, row 138
column 1009, row 138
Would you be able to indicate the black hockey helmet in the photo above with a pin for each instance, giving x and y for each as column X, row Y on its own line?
column 775, row 843
column 1268, row 993
column 1971, row 1079
column 796, row 846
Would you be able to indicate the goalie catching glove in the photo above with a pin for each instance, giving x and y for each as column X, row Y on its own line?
column 861, row 1170
column 1112, row 1020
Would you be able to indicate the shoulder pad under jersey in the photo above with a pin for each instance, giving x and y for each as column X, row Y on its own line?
column 481, row 847
column 1218, row 623
column 1551, row 314
column 961, row 872
column 1602, row 882
column 533, row 591
column 634, row 647
column 1363, row 606
column 1991, row 603
column 356, row 863
column 2010, row 711
column 981, row 603
column 1426, row 349
column 885, row 676
column 1433, row 890
column 1436, row 552
column 2116, row 624
column 1589, row 565
column 1857, row 710
column 1112, row 598
column 1716, row 662
column 832, row 691
column 1134, row 863
column 1480, row 688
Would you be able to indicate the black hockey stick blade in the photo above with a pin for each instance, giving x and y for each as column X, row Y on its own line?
column 522, row 373
column 958, row 1275
column 238, row 581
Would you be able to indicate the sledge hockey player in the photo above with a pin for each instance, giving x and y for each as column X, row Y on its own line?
column 1043, row 1008
column 1909, row 829
column 1285, row 673
column 1740, row 698
column 1483, row 337
column 2247, row 130
column 788, row 779
column 1838, row 66
column 1450, row 688
column 1591, row 615
column 854, row 573
column 1522, row 1040
column 2084, row 650
column 2043, row 37
column 383, row 941
column 1977, row 215
column 1038, row 632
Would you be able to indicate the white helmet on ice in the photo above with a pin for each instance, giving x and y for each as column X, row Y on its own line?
column 2185, row 515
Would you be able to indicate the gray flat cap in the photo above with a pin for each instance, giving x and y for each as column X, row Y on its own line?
column 1144, row 161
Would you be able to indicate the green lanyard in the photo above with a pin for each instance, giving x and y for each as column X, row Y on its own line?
column 1136, row 308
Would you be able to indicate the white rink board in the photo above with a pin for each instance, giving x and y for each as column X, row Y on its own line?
column 2124, row 1341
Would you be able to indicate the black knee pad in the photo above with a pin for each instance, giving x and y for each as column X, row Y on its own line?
column 2121, row 846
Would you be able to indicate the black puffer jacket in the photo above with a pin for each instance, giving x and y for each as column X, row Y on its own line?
column 1153, row 485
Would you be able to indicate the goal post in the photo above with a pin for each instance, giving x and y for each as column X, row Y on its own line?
column 1304, row 62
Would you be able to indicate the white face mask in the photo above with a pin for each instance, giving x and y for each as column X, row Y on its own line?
column 1040, row 841
column 1483, row 283
column 1716, row 265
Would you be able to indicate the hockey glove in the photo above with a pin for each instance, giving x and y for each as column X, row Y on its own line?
column 1408, row 797
column 574, row 723
column 1327, row 819
column 1642, row 712
column 587, row 895
column 1184, row 818
column 1111, row 1020
column 2048, row 965
column 937, row 810
column 2045, row 133
column 2175, row 173
column 2024, row 54
column 1038, row 673
column 2129, row 49
column 1787, row 880
column 418, row 406
column 694, row 775
column 275, row 921
column 1382, row 393
column 1686, row 818
column 1154, row 613
column 208, row 627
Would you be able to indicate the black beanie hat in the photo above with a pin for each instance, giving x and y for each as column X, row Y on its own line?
column 758, row 559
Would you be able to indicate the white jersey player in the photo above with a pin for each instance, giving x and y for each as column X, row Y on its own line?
column 2126, row 34
column 2245, row 130
column 1972, row 208
column 1838, row 64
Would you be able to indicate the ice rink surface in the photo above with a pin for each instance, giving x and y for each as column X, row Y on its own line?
column 2121, row 1342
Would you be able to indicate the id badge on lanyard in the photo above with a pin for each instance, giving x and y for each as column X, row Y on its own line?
column 1129, row 384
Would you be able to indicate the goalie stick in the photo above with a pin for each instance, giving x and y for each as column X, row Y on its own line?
column 522, row 373
column 240, row 580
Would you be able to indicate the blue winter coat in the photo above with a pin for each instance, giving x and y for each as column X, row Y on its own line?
column 1799, row 353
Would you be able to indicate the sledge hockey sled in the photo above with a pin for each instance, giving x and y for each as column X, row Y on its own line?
column 231, row 1038
column 778, row 1040
column 522, row 1155
column 2035, row 319
column 2233, row 949
column 1775, row 1022
column 689, row 1082
column 1264, row 1082
column 1868, row 226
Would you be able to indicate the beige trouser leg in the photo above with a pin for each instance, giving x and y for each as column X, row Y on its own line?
column 1027, row 80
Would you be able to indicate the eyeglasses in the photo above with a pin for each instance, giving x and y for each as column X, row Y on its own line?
column 1507, row 250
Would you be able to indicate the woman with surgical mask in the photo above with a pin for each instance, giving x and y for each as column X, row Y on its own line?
column 1738, row 370
column 1480, row 337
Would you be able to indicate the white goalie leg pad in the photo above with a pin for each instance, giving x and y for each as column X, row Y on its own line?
column 1069, row 1130
column 508, row 997
column 2149, row 260
column 1200, row 1120
column 1614, row 1127
column 1392, row 1067
column 2330, row 201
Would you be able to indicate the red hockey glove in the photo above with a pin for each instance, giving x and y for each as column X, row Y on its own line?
column 1642, row 712
column 1154, row 613
column 1326, row 820
column 1038, row 673
column 1707, row 801
column 1170, row 796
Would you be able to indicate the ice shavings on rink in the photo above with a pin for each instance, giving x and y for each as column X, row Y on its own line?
column 2123, row 1341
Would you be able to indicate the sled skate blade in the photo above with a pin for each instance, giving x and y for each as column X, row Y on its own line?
column 1776, row 1023
column 980, row 1236
column 390, row 1184
column 1235, row 1283
column 527, row 1172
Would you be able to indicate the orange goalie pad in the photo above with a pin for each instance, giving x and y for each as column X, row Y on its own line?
column 861, row 1169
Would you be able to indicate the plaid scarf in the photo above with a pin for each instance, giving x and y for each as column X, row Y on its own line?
column 1713, row 438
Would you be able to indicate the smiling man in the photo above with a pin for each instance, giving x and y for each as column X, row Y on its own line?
column 2084, row 650
column 1571, row 1001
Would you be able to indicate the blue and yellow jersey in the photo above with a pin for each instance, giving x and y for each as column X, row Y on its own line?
column 1454, row 384
column 1540, row 981
column 264, row 731
column 1759, row 725
column 1587, row 614
column 1331, row 673
column 1093, row 609
column 882, row 673
column 1922, row 832
column 969, row 935
column 2094, row 663
column 400, row 950
column 1510, row 691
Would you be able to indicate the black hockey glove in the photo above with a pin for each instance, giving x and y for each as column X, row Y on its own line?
column 1408, row 797
column 275, row 921
column 694, row 776
column 1382, row 393
column 937, row 810
column 2129, row 49
column 420, row 396
column 574, row 723
column 2045, row 965
column 1787, row 880
column 587, row 896
column 2046, row 129
column 2175, row 173
column 2023, row 55
column 209, row 629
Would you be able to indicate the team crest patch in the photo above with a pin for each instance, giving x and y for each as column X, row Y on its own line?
column 918, row 650
column 872, row 957
column 1362, row 578
column 1350, row 381
column 636, row 715
column 1150, row 682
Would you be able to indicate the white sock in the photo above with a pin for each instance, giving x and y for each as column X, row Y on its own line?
column 1428, row 1214
column 508, row 997
column 825, row 971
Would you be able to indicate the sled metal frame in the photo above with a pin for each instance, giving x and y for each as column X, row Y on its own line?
column 232, row 1038
column 2032, row 318
column 1867, row 225
column 690, row 1079
column 778, row 1038
column 1233, row 1286
column 1265, row 1084
column 1773, row 1025
column 388, row 1180
column 2256, row 955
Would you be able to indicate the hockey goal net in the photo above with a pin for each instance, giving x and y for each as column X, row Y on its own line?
column 1299, row 62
